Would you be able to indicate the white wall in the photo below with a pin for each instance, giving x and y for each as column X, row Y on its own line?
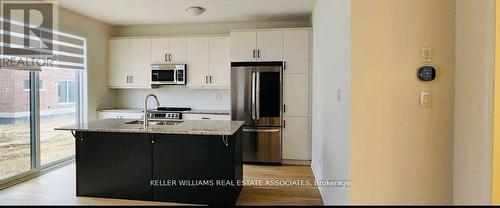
column 178, row 97
column 97, row 34
column 201, row 29
column 475, row 39
column 331, row 71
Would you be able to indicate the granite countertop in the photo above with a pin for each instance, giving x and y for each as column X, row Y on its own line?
column 187, row 127
column 194, row 111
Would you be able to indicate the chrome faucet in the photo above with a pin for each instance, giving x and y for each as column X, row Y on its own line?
column 146, row 112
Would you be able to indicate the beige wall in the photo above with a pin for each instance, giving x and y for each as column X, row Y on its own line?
column 200, row 29
column 97, row 34
column 475, row 41
column 400, row 153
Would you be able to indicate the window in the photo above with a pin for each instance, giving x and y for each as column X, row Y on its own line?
column 67, row 91
column 15, row 126
column 41, row 85
column 28, row 141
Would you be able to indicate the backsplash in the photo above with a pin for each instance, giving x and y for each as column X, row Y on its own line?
column 176, row 96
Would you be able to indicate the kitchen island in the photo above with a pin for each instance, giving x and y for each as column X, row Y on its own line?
column 193, row 162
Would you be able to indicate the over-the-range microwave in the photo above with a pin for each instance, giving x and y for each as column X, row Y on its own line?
column 168, row 74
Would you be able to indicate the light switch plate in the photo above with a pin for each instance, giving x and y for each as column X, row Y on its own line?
column 425, row 99
column 340, row 95
column 426, row 55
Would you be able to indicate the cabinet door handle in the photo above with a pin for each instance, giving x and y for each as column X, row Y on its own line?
column 285, row 65
column 170, row 57
column 131, row 79
column 258, row 53
column 254, row 53
column 204, row 118
column 166, row 57
column 127, row 79
column 206, row 79
column 284, row 108
column 210, row 79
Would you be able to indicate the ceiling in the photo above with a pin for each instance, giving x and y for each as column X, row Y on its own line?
column 137, row 12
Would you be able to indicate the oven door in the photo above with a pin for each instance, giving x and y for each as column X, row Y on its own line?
column 164, row 76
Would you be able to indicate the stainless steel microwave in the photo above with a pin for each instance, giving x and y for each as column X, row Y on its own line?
column 168, row 74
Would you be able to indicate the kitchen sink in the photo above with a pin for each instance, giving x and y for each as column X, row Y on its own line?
column 167, row 122
column 156, row 122
column 135, row 122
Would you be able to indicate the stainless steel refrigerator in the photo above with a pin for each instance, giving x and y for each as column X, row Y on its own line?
column 257, row 99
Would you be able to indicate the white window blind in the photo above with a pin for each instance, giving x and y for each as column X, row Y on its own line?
column 68, row 51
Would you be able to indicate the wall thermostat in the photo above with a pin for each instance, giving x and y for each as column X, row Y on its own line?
column 427, row 73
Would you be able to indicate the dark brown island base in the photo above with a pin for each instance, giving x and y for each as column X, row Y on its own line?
column 192, row 162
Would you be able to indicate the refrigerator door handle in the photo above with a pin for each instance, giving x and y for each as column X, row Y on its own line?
column 261, row 130
column 257, row 96
column 253, row 96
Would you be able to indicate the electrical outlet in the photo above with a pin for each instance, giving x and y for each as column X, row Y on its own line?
column 426, row 55
column 425, row 99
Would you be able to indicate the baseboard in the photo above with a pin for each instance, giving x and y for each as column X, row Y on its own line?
column 297, row 162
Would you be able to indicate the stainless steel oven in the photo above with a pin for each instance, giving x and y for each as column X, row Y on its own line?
column 168, row 74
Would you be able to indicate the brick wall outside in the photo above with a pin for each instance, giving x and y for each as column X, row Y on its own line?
column 14, row 98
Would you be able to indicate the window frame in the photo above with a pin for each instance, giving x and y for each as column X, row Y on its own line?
column 40, row 83
column 67, row 92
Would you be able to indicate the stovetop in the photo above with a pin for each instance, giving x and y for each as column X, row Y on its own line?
column 168, row 112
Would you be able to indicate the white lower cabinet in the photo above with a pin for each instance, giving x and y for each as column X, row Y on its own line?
column 120, row 115
column 216, row 117
column 296, row 139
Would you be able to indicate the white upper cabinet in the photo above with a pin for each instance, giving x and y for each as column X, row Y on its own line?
column 296, row 52
column 177, row 50
column 119, row 66
column 129, row 61
column 270, row 45
column 140, row 61
column 259, row 45
column 168, row 50
column 219, row 64
column 243, row 46
column 197, row 62
column 208, row 62
column 159, row 51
